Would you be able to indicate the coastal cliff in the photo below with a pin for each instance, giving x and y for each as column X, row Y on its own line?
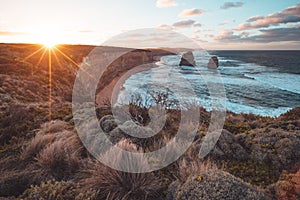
column 126, row 62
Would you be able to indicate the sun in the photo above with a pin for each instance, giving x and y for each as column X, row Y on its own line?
column 49, row 44
column 48, row 37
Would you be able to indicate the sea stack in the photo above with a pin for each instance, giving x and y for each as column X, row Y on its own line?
column 213, row 62
column 187, row 59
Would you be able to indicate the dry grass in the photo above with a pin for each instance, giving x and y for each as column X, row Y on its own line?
column 59, row 160
column 194, row 168
column 38, row 143
column 53, row 190
column 114, row 184
column 54, row 126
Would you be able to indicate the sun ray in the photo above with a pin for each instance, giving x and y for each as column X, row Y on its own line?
column 50, row 82
column 32, row 54
column 67, row 57
column 57, row 59
column 41, row 58
column 76, row 64
column 34, row 67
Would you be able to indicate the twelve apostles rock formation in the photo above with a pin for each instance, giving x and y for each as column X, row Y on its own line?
column 213, row 62
column 187, row 59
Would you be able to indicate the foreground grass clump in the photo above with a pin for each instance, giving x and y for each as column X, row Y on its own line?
column 114, row 184
column 36, row 145
column 58, row 161
column 63, row 190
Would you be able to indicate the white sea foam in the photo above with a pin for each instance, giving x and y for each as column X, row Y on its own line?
column 283, row 81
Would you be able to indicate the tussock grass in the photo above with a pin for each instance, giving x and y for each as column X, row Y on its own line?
column 114, row 184
column 58, row 160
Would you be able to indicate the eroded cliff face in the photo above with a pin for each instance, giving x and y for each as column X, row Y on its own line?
column 134, row 61
column 187, row 59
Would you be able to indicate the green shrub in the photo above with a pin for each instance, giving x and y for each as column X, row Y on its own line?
column 260, row 174
column 236, row 128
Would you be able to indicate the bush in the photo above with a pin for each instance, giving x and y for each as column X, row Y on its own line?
column 293, row 114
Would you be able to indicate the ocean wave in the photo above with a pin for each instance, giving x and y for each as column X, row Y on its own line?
column 257, row 110
column 283, row 81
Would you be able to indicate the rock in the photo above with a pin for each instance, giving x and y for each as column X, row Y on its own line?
column 228, row 147
column 108, row 123
column 116, row 135
column 291, row 127
column 278, row 147
column 214, row 184
column 129, row 130
column 187, row 59
column 213, row 62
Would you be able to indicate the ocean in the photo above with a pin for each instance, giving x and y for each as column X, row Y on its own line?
column 265, row 83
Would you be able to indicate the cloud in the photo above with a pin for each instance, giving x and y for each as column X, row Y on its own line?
column 85, row 31
column 228, row 5
column 254, row 18
column 265, row 36
column 224, row 23
column 198, row 39
column 191, row 12
column 166, row 3
column 197, row 25
column 184, row 24
column 277, row 34
column 289, row 15
column 9, row 33
column 180, row 24
column 226, row 36
column 197, row 31
column 165, row 27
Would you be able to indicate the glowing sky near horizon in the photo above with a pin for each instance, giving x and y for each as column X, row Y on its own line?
column 214, row 24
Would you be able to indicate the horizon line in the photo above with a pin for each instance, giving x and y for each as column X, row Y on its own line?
column 93, row 45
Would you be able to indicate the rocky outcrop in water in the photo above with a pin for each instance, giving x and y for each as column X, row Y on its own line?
column 187, row 59
column 213, row 62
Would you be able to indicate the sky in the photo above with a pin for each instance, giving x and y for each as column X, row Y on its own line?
column 213, row 24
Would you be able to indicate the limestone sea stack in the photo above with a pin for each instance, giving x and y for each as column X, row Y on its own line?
column 187, row 59
column 213, row 62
